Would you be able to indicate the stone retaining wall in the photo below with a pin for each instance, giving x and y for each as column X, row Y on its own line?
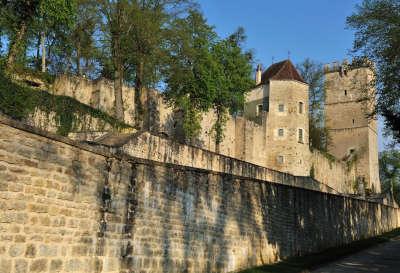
column 70, row 207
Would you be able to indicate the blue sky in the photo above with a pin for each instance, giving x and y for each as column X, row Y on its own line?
column 313, row 29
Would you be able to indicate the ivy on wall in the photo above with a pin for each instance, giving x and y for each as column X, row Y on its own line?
column 20, row 102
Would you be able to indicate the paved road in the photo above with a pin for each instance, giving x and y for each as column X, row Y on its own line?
column 384, row 258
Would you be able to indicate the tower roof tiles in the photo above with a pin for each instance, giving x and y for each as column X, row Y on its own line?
column 284, row 70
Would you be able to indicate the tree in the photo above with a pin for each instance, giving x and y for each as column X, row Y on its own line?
column 192, row 74
column 16, row 17
column 377, row 37
column 389, row 172
column 52, row 15
column 235, row 79
column 151, row 22
column 312, row 73
column 115, row 30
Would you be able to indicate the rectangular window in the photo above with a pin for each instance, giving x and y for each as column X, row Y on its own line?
column 281, row 108
column 301, row 107
column 259, row 109
column 301, row 135
column 280, row 132
column 280, row 159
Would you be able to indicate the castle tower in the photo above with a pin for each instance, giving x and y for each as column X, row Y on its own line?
column 282, row 96
column 352, row 134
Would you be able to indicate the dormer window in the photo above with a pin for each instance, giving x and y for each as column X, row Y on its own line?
column 281, row 107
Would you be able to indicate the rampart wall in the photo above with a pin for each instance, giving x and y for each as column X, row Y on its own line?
column 244, row 139
column 73, row 207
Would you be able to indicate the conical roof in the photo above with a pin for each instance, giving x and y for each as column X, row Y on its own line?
column 284, row 70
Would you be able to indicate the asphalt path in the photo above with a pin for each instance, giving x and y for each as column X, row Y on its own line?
column 384, row 258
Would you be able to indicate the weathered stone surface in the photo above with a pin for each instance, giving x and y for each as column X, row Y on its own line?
column 21, row 266
column 38, row 265
column 16, row 250
column 56, row 265
column 160, row 217
column 30, row 251
column 5, row 265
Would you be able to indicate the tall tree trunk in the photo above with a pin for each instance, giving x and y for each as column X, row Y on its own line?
column 217, row 132
column 118, row 65
column 37, row 64
column 43, row 47
column 78, row 58
column 16, row 46
column 118, row 78
column 141, row 99
column 119, row 107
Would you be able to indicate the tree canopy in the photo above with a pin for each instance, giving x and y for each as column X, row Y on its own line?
column 389, row 172
column 377, row 37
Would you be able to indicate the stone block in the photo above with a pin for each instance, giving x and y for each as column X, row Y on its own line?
column 39, row 265
column 20, row 266
column 5, row 266
column 56, row 265
column 30, row 251
column 47, row 250
column 16, row 250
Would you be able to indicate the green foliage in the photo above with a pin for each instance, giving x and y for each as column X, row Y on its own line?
column 389, row 172
column 192, row 75
column 209, row 72
column 20, row 102
column 234, row 79
column 313, row 74
column 377, row 37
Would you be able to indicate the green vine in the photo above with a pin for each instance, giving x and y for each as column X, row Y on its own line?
column 20, row 102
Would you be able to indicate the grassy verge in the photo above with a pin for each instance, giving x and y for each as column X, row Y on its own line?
column 298, row 264
column 19, row 101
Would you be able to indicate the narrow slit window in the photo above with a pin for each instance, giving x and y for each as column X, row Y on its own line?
column 345, row 92
column 301, row 105
column 280, row 132
column 301, row 135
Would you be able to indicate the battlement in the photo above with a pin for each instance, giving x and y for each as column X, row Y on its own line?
column 345, row 65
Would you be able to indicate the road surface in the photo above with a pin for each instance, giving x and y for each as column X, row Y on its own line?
column 384, row 258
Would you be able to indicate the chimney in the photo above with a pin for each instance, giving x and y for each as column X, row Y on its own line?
column 258, row 74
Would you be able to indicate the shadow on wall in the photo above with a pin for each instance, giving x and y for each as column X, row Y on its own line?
column 159, row 217
column 205, row 222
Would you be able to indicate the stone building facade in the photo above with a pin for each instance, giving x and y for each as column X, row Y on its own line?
column 272, row 132
column 349, row 100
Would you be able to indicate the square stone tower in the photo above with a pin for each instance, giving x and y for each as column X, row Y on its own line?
column 281, row 101
column 349, row 98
